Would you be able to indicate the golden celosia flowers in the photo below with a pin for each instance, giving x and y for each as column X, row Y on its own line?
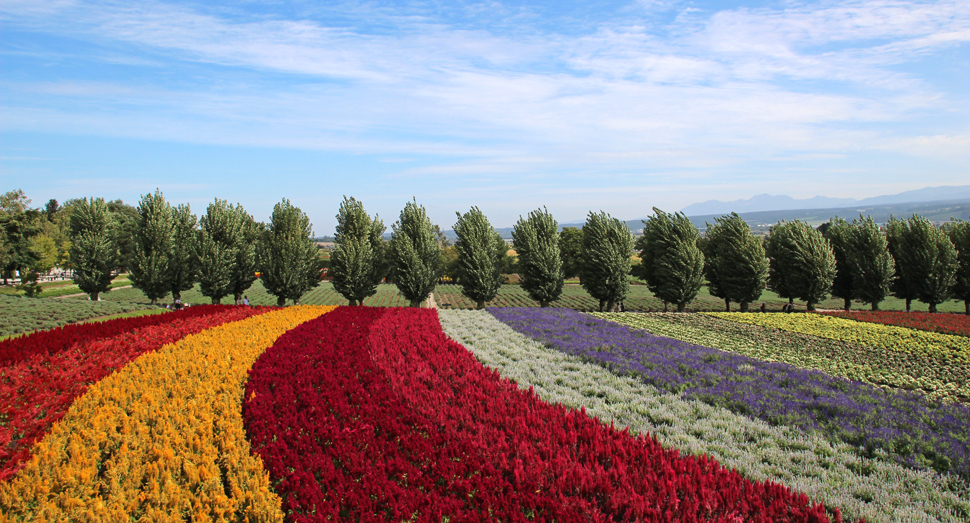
column 162, row 439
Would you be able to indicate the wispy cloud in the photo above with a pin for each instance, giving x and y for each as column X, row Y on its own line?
column 498, row 91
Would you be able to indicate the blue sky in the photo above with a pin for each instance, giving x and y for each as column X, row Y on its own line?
column 617, row 105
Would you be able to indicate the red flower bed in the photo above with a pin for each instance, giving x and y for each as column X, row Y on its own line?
column 61, row 338
column 36, row 392
column 375, row 415
column 956, row 324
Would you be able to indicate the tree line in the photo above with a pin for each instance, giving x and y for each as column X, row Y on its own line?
column 168, row 250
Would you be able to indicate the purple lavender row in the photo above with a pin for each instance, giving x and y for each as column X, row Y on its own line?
column 914, row 431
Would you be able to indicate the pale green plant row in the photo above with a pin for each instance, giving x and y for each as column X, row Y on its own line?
column 832, row 473
column 926, row 372
column 901, row 339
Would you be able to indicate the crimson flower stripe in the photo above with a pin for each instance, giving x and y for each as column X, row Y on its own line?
column 61, row 338
column 378, row 416
column 36, row 392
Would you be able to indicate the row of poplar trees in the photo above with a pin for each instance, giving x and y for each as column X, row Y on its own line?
column 415, row 263
column 909, row 259
column 173, row 250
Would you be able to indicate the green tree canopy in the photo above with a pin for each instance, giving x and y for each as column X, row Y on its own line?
column 478, row 257
column 356, row 263
column 414, row 253
column 926, row 261
column 838, row 232
column 183, row 263
column 607, row 248
column 94, row 251
column 536, row 241
column 735, row 264
column 226, row 251
column 125, row 231
column 802, row 264
column 869, row 261
column 287, row 254
column 571, row 251
column 959, row 233
column 671, row 263
column 150, row 263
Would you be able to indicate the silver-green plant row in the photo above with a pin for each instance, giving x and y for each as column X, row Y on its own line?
column 875, row 489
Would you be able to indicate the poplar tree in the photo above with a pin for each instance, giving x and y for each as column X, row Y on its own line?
column 414, row 254
column 536, row 241
column 802, row 264
column 287, row 254
column 869, row 260
column 838, row 232
column 571, row 250
column 220, row 238
column 94, row 250
column 607, row 247
column 671, row 263
column 244, row 268
column 478, row 257
column 183, row 264
column 735, row 264
column 930, row 260
column 959, row 233
column 356, row 263
column 906, row 281
column 152, row 247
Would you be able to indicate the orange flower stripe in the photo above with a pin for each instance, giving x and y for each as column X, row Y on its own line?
column 161, row 439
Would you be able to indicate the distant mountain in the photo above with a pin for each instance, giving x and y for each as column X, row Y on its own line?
column 767, row 202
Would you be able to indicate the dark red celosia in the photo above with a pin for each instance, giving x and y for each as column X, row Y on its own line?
column 35, row 392
column 375, row 415
column 61, row 338
column 956, row 324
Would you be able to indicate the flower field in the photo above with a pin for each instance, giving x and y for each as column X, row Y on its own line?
column 321, row 413
column 916, row 433
column 956, row 324
column 929, row 373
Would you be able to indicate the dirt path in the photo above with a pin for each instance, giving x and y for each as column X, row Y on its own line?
column 85, row 294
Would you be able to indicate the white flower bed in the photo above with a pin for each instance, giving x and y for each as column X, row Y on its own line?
column 832, row 473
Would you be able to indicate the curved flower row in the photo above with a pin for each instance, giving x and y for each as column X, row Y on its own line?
column 159, row 440
column 914, row 431
column 956, row 349
column 36, row 392
column 956, row 324
column 928, row 373
column 376, row 415
column 876, row 489
column 61, row 338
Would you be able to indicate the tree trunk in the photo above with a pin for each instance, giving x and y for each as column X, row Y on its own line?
column 665, row 306
column 353, row 303
column 875, row 305
column 296, row 301
column 909, row 303
column 727, row 305
column 966, row 305
column 154, row 300
column 810, row 307
column 480, row 304
column 281, row 301
column 681, row 307
column 602, row 303
column 216, row 301
column 847, row 303
column 94, row 296
column 415, row 303
column 176, row 295
column 610, row 306
column 932, row 308
column 546, row 304
column 744, row 306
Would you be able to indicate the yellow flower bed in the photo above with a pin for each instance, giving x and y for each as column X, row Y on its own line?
column 902, row 339
column 160, row 440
